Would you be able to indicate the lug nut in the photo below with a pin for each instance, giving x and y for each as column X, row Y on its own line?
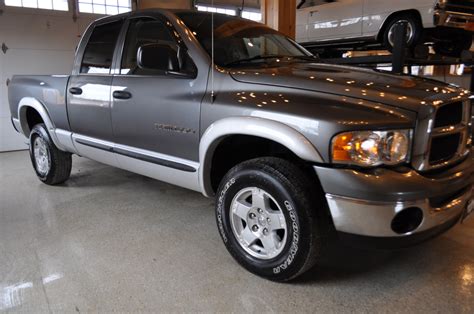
column 268, row 219
column 260, row 211
column 254, row 228
column 252, row 216
column 265, row 231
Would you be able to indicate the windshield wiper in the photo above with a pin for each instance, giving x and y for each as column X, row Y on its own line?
column 254, row 58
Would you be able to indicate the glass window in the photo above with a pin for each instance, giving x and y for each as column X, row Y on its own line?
column 141, row 32
column 237, row 41
column 58, row 5
column 215, row 10
column 100, row 48
column 109, row 7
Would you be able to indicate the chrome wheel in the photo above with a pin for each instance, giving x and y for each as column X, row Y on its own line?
column 409, row 36
column 258, row 223
column 41, row 153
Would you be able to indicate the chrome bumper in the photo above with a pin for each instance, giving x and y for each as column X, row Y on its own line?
column 374, row 219
column 454, row 19
column 365, row 203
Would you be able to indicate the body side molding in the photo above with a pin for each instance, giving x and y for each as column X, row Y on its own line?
column 253, row 126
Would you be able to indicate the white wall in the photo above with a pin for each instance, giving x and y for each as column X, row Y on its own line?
column 39, row 42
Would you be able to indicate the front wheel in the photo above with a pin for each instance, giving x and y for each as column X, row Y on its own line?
column 413, row 33
column 52, row 165
column 269, row 219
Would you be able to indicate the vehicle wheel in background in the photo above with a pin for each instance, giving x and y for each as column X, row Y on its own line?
column 414, row 31
column 453, row 44
column 272, row 218
column 52, row 165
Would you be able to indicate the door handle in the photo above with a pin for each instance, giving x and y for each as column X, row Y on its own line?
column 119, row 94
column 75, row 90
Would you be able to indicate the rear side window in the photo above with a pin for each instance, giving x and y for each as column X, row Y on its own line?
column 141, row 32
column 100, row 48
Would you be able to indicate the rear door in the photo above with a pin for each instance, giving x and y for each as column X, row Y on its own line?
column 88, row 93
column 153, row 111
column 333, row 20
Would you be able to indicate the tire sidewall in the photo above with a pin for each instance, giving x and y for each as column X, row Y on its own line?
column 294, row 255
column 39, row 130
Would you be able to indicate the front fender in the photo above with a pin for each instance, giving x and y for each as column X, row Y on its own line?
column 254, row 126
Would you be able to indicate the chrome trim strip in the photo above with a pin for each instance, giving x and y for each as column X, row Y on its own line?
column 65, row 138
column 453, row 19
column 140, row 154
column 16, row 124
column 374, row 219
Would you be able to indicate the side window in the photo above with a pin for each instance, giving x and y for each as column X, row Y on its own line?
column 141, row 32
column 100, row 48
column 312, row 3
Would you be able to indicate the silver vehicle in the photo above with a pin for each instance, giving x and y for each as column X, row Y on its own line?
column 293, row 150
column 449, row 24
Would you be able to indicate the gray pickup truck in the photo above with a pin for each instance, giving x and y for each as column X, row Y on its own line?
column 295, row 151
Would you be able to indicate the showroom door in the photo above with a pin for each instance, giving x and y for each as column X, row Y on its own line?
column 334, row 20
column 152, row 110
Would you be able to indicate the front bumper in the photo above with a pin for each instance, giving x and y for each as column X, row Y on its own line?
column 454, row 19
column 365, row 203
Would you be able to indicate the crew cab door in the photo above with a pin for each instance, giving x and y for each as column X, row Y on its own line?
column 88, row 91
column 155, row 111
column 332, row 20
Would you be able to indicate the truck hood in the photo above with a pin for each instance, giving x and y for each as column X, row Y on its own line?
column 400, row 91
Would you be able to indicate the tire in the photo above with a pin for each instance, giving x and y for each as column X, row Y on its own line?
column 290, row 197
column 52, row 166
column 415, row 28
column 453, row 45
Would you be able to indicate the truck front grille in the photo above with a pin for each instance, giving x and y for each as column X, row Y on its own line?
column 443, row 137
column 444, row 148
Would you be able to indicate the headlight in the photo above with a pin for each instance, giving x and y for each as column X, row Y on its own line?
column 372, row 148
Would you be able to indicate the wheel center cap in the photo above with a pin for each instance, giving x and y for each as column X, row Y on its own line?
column 261, row 221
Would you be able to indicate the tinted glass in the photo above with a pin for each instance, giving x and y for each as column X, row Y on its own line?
column 141, row 32
column 238, row 39
column 100, row 48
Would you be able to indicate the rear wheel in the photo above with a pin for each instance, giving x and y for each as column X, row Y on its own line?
column 269, row 218
column 52, row 165
column 453, row 44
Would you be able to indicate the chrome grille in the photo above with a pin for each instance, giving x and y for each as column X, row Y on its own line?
column 443, row 135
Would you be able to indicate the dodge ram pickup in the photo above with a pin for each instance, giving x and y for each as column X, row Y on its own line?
column 294, row 151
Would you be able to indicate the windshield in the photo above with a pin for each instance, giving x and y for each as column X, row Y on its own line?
column 238, row 41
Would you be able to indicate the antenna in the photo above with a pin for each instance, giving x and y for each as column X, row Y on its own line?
column 212, row 53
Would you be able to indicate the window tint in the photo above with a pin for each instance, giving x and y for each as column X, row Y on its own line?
column 141, row 32
column 100, row 48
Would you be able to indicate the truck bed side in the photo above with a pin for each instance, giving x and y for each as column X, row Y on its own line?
column 49, row 90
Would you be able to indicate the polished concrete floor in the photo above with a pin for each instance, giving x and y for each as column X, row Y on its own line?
column 110, row 240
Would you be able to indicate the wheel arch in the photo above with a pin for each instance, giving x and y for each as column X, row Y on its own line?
column 25, row 106
column 393, row 15
column 253, row 127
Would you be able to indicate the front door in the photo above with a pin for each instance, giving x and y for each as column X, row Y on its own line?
column 334, row 20
column 156, row 112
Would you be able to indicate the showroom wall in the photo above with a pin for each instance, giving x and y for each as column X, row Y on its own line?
column 38, row 42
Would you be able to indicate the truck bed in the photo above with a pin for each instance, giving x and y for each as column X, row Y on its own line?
column 48, row 89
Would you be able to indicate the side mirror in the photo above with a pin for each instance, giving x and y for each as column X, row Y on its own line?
column 158, row 57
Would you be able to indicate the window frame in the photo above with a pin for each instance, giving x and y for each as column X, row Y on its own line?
column 21, row 7
column 123, row 37
column 79, row 12
column 85, row 41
